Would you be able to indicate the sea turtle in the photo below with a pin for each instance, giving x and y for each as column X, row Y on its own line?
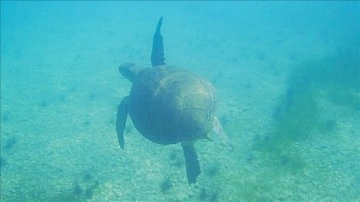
column 168, row 105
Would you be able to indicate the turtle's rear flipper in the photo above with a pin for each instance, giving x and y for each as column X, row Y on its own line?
column 192, row 162
column 121, row 120
column 217, row 128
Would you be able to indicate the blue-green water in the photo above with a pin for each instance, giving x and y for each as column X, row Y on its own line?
column 287, row 76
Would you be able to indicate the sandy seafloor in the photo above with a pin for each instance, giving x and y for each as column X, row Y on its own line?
column 287, row 80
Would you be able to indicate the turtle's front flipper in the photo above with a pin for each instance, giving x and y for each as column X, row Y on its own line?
column 192, row 162
column 121, row 120
column 157, row 54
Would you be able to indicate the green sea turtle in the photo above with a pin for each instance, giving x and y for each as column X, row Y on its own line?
column 168, row 105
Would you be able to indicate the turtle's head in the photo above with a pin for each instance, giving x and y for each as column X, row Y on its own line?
column 129, row 71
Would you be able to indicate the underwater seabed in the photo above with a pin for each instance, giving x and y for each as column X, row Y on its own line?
column 312, row 151
column 309, row 150
column 294, row 141
column 60, row 143
column 306, row 150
